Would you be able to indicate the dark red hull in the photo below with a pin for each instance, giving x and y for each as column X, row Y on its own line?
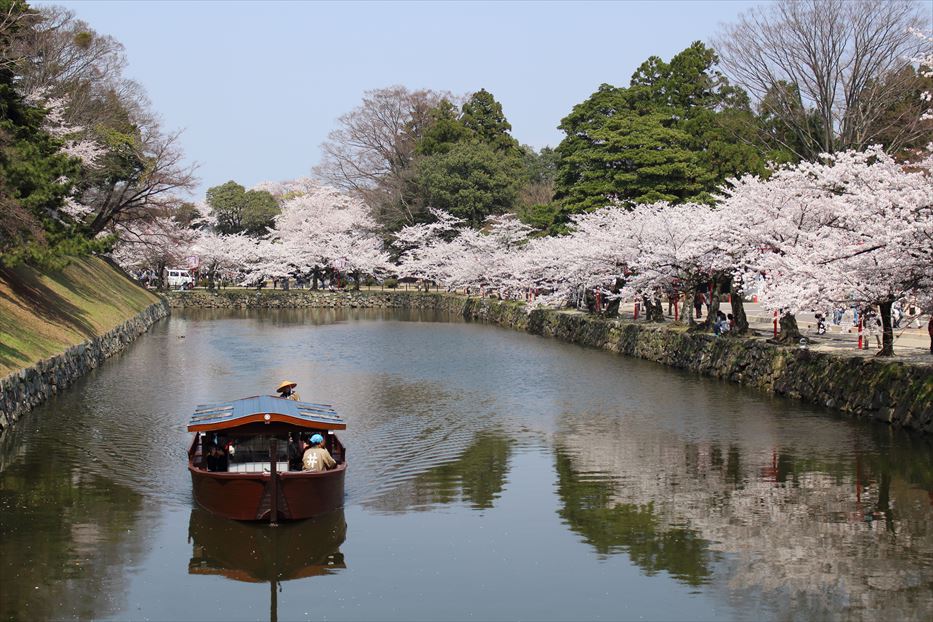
column 248, row 496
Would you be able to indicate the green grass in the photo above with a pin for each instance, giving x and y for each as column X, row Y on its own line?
column 45, row 313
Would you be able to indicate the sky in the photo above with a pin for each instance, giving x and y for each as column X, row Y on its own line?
column 256, row 87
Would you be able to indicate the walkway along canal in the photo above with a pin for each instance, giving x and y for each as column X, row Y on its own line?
column 495, row 475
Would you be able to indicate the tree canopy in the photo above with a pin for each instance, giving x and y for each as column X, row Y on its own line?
column 239, row 210
column 668, row 136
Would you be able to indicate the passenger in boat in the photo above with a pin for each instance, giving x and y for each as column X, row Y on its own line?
column 316, row 457
column 294, row 453
column 216, row 458
column 286, row 390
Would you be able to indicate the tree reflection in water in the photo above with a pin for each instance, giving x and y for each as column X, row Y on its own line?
column 838, row 524
column 65, row 538
column 590, row 509
column 477, row 477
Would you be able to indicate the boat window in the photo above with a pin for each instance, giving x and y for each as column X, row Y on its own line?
column 251, row 454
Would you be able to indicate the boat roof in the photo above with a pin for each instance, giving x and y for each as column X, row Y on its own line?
column 264, row 409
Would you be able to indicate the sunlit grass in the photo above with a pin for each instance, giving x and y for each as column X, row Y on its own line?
column 43, row 314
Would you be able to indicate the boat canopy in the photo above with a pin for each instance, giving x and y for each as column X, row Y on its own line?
column 264, row 409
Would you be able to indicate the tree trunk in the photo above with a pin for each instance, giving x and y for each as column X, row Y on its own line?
column 887, row 332
column 739, row 319
column 356, row 281
column 686, row 311
column 315, row 278
column 790, row 333
column 654, row 310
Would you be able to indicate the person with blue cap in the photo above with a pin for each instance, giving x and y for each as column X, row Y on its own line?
column 316, row 458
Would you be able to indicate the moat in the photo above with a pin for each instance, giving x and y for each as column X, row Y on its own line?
column 493, row 475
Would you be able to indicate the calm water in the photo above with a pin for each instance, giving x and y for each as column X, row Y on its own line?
column 493, row 475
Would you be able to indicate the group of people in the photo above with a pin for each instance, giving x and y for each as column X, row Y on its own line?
column 723, row 324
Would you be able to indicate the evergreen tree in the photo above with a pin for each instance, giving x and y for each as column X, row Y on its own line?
column 482, row 116
column 444, row 130
column 669, row 135
column 468, row 164
column 35, row 176
column 470, row 180
column 240, row 211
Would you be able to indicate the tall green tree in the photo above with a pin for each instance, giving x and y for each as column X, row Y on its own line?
column 470, row 180
column 238, row 210
column 670, row 135
column 468, row 163
column 259, row 211
column 35, row 176
column 444, row 129
column 482, row 116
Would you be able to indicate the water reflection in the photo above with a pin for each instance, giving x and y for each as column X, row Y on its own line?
column 591, row 509
column 477, row 477
column 258, row 553
column 843, row 523
column 546, row 460
column 64, row 537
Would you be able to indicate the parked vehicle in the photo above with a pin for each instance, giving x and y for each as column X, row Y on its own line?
column 179, row 278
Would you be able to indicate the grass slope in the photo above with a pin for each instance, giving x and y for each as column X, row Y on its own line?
column 44, row 313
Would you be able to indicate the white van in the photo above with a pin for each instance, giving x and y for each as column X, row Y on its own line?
column 179, row 278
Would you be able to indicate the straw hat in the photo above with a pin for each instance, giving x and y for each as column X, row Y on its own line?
column 286, row 384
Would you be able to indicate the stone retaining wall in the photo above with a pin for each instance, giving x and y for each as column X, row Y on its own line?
column 890, row 391
column 22, row 391
column 306, row 298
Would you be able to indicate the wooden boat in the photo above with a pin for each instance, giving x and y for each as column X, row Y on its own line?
column 256, row 473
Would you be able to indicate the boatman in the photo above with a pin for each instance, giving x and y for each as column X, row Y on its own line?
column 316, row 457
column 286, row 390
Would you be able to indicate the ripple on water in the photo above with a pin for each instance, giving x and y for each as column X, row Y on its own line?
column 720, row 488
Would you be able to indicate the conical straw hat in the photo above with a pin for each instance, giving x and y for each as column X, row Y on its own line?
column 285, row 385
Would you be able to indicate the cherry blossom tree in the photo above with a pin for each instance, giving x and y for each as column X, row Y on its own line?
column 323, row 227
column 854, row 229
column 153, row 246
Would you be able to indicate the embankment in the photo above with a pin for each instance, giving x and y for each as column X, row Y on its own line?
column 892, row 391
column 56, row 326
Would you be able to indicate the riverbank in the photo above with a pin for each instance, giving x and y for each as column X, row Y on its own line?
column 56, row 326
column 892, row 391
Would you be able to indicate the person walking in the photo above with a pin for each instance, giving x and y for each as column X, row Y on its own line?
column 871, row 322
column 698, row 301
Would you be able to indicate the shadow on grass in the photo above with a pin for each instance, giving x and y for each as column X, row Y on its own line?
column 43, row 302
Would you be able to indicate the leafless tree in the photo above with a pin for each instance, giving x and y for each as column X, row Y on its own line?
column 153, row 185
column 64, row 56
column 832, row 71
column 12, row 18
column 371, row 151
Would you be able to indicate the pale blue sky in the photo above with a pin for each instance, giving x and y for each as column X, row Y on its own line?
column 257, row 86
